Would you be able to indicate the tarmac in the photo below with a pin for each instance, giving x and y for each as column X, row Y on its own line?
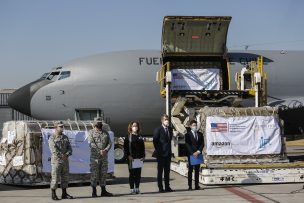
column 149, row 192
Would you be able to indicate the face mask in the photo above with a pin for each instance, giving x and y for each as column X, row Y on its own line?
column 99, row 127
column 166, row 123
column 194, row 128
column 134, row 129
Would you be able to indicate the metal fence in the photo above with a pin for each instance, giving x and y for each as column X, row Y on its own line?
column 4, row 98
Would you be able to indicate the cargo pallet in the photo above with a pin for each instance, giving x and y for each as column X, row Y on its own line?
column 231, row 174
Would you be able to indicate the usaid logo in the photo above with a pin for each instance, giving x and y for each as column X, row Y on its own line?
column 264, row 142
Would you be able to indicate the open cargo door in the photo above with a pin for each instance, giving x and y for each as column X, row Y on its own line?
column 183, row 35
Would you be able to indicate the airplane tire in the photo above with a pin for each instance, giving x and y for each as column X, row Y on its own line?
column 119, row 154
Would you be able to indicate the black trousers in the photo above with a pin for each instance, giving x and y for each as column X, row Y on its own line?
column 163, row 166
column 134, row 177
column 196, row 174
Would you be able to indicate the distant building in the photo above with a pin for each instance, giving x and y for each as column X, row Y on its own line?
column 6, row 112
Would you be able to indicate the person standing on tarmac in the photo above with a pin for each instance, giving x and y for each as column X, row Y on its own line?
column 100, row 143
column 162, row 137
column 194, row 145
column 134, row 148
column 61, row 149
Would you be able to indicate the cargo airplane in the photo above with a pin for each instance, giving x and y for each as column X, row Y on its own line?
column 121, row 87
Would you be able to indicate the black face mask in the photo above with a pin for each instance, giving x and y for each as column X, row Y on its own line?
column 99, row 127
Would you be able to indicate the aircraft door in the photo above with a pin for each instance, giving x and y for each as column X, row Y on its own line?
column 88, row 114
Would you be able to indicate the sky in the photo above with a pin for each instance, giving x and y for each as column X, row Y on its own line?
column 36, row 35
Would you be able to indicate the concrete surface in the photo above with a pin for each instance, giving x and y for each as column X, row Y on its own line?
column 119, row 186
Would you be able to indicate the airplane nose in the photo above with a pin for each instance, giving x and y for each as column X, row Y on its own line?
column 21, row 100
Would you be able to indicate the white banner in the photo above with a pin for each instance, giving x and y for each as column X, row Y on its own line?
column 80, row 160
column 111, row 158
column 196, row 79
column 249, row 135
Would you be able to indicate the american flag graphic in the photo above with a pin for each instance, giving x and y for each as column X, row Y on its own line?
column 219, row 127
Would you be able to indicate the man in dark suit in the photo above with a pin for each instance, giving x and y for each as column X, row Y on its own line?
column 162, row 143
column 194, row 144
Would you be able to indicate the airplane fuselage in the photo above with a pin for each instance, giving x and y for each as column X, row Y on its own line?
column 122, row 86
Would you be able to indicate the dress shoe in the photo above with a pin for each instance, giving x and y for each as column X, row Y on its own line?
column 169, row 190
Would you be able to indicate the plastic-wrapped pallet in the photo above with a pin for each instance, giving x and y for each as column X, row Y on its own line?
column 242, row 135
column 25, row 156
column 196, row 76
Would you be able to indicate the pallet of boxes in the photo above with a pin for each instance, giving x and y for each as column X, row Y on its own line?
column 242, row 145
column 25, row 155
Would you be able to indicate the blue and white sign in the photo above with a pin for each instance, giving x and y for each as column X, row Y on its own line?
column 248, row 135
column 80, row 160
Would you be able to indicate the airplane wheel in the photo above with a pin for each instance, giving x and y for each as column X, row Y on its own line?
column 119, row 154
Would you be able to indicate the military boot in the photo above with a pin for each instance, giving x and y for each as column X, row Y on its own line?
column 104, row 192
column 94, row 193
column 65, row 195
column 54, row 196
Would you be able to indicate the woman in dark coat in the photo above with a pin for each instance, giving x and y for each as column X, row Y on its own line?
column 134, row 148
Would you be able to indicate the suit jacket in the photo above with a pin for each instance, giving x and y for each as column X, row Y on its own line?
column 162, row 142
column 192, row 145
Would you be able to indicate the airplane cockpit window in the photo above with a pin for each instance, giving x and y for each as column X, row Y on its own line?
column 53, row 76
column 64, row 74
column 44, row 76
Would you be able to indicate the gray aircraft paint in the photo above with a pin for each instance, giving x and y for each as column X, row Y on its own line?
column 122, row 84
column 112, row 82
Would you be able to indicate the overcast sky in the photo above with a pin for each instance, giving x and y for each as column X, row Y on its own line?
column 36, row 35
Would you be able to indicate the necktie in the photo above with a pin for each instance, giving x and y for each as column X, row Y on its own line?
column 166, row 130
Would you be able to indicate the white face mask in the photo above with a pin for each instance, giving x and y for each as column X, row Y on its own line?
column 166, row 123
column 59, row 130
column 134, row 129
column 194, row 128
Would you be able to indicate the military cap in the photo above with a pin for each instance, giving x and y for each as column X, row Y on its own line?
column 58, row 123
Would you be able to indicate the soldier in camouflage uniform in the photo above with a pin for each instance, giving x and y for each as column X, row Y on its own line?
column 61, row 149
column 100, row 144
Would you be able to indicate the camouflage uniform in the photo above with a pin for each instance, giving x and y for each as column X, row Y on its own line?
column 59, row 146
column 99, row 140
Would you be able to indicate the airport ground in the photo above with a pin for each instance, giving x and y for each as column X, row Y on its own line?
column 149, row 192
